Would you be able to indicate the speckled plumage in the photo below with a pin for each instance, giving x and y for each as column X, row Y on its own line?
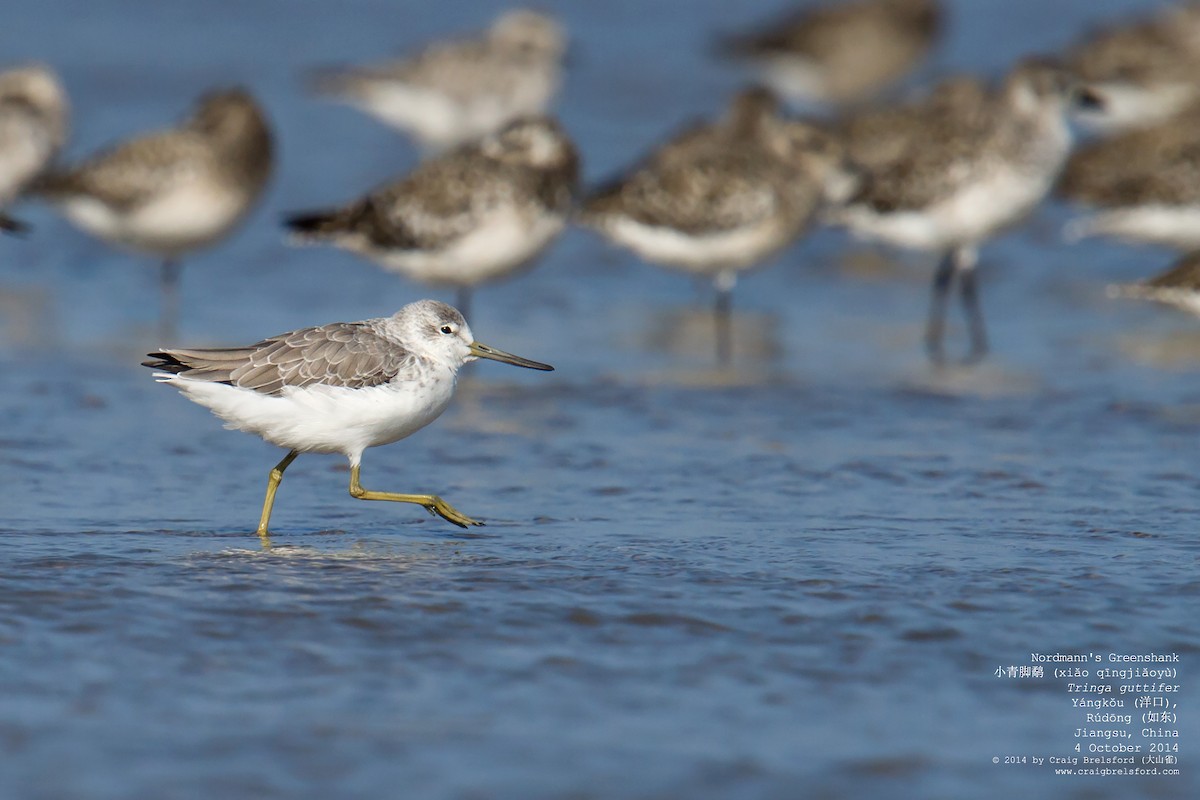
column 877, row 137
column 843, row 52
column 452, row 92
column 1140, row 72
column 1144, row 184
column 1159, row 164
column 171, row 192
column 175, row 190
column 751, row 173
column 33, row 128
column 715, row 192
column 979, row 164
column 1017, row 138
column 720, row 198
column 470, row 215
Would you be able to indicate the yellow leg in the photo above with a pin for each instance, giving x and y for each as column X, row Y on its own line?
column 272, row 487
column 432, row 503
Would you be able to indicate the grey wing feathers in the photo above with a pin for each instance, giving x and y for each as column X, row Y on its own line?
column 1154, row 165
column 426, row 210
column 924, row 173
column 341, row 354
column 441, row 200
column 458, row 68
column 721, row 192
column 131, row 173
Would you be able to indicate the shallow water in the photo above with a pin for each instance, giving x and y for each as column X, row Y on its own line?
column 793, row 580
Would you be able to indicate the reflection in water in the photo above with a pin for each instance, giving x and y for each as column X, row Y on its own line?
column 984, row 380
column 27, row 318
column 687, row 333
column 793, row 577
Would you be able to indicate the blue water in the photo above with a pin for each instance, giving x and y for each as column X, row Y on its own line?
column 793, row 581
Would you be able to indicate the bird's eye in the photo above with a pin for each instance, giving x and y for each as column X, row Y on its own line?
column 447, row 329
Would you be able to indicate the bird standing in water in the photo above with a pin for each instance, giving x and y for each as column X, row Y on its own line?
column 454, row 91
column 337, row 388
column 839, row 53
column 33, row 128
column 978, row 165
column 479, row 212
column 720, row 198
column 171, row 192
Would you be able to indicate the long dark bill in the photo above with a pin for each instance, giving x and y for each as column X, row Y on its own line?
column 483, row 351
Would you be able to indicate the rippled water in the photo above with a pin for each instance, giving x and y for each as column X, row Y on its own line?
column 793, row 581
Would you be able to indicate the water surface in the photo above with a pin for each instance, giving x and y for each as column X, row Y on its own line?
column 793, row 581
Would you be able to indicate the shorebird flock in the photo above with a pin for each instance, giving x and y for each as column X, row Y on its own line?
column 825, row 137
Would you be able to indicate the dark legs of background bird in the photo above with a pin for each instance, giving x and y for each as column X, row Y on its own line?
column 723, row 317
column 970, row 300
column 722, row 313
column 935, row 328
column 956, row 263
column 168, row 320
column 464, row 302
column 14, row 226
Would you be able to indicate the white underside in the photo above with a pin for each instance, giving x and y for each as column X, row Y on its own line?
column 795, row 79
column 325, row 419
column 502, row 242
column 189, row 216
column 1177, row 227
column 707, row 254
column 1126, row 106
column 966, row 217
column 439, row 120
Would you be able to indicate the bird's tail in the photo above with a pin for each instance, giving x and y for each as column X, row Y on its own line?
column 13, row 226
column 312, row 226
column 54, row 183
column 600, row 200
column 1131, row 291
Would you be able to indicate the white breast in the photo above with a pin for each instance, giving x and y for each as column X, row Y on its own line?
column 1172, row 226
column 181, row 218
column 967, row 216
column 327, row 419
column 440, row 119
column 502, row 241
column 705, row 254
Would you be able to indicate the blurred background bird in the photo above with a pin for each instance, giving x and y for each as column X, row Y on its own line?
column 33, row 128
column 474, row 214
column 1140, row 186
column 454, row 91
column 171, row 192
column 977, row 166
column 1139, row 72
column 720, row 198
column 839, row 53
